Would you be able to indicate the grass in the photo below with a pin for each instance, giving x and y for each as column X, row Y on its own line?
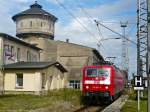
column 131, row 104
column 30, row 102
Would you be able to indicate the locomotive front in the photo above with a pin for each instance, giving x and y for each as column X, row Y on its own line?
column 97, row 81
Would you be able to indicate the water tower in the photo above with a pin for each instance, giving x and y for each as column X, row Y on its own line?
column 35, row 22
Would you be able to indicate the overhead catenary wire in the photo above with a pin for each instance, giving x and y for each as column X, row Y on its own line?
column 77, row 19
column 99, row 30
column 110, row 22
column 115, row 32
column 130, row 31
column 93, row 35
column 83, row 26
column 91, row 20
column 107, row 22
column 85, row 12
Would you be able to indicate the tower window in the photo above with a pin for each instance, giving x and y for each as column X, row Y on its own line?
column 41, row 24
column 21, row 24
column 30, row 23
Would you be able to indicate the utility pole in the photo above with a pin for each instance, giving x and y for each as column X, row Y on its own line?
column 125, row 57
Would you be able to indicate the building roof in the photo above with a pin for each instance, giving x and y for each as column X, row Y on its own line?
column 95, row 51
column 35, row 9
column 34, row 65
column 15, row 39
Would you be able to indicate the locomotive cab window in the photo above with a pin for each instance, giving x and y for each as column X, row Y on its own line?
column 91, row 72
column 103, row 72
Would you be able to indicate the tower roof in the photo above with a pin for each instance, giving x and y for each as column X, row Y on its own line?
column 35, row 9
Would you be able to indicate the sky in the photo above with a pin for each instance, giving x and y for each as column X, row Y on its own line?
column 76, row 22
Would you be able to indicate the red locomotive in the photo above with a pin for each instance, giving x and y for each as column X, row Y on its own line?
column 104, row 81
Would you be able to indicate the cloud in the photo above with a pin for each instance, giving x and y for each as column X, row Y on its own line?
column 121, row 6
column 8, row 9
column 55, row 2
column 20, row 1
column 116, row 12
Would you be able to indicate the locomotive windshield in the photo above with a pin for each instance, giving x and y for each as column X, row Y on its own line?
column 103, row 72
column 93, row 72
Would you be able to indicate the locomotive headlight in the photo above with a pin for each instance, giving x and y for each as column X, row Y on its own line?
column 106, row 87
column 87, row 87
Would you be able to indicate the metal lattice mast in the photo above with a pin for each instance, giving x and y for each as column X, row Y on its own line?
column 125, row 57
column 142, row 37
column 148, row 54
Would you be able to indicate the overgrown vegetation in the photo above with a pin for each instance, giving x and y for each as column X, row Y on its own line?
column 31, row 102
column 131, row 104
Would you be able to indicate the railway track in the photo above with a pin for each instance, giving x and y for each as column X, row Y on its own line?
column 90, row 109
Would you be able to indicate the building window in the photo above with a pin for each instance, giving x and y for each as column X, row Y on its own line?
column 12, row 50
column 30, row 23
column 19, row 80
column 6, row 49
column 43, row 80
column 28, row 56
column 18, row 54
column 41, row 24
column 75, row 84
column 21, row 24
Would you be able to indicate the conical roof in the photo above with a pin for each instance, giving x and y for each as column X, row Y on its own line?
column 35, row 9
